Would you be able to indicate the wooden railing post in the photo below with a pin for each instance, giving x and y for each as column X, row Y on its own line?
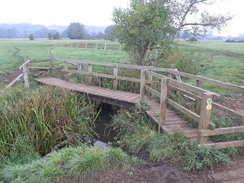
column 66, row 66
column 25, row 76
column 163, row 100
column 89, row 78
column 115, row 72
column 198, row 102
column 51, row 61
column 205, row 115
column 150, row 78
column 142, row 84
column 79, row 66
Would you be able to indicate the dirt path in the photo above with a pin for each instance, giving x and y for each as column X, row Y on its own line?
column 168, row 172
column 8, row 78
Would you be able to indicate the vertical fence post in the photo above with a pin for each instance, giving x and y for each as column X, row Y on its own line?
column 66, row 66
column 142, row 84
column 51, row 61
column 89, row 78
column 86, row 45
column 79, row 66
column 205, row 115
column 150, row 79
column 198, row 102
column 26, row 78
column 96, row 46
column 105, row 46
column 163, row 102
column 115, row 72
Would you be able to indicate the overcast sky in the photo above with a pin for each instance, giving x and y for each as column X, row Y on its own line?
column 96, row 12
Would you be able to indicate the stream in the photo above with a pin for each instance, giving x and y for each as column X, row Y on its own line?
column 105, row 135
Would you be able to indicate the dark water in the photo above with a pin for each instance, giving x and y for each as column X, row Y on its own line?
column 103, row 125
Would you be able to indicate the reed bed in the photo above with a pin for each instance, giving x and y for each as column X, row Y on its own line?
column 50, row 117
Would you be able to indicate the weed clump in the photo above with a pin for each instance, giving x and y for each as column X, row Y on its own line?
column 136, row 134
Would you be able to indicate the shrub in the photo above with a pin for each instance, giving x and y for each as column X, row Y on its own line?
column 190, row 62
column 193, row 39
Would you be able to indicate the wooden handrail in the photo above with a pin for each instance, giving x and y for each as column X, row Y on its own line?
column 186, row 111
column 24, row 64
column 227, row 110
column 38, row 61
column 151, row 68
column 14, row 81
column 222, row 131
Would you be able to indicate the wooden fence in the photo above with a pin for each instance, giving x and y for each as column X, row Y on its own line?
column 96, row 46
column 204, row 99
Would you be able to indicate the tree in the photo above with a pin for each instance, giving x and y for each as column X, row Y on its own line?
column 41, row 33
column 142, row 28
column 188, row 17
column 76, row 31
column 50, row 35
column 155, row 24
column 31, row 37
column 56, row 36
column 109, row 33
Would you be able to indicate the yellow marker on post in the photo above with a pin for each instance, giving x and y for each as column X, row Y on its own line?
column 209, row 106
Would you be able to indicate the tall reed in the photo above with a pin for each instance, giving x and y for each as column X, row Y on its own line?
column 49, row 116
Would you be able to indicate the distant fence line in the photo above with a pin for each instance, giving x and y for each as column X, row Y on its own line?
column 95, row 46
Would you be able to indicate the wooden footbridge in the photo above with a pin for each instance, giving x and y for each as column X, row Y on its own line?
column 156, row 91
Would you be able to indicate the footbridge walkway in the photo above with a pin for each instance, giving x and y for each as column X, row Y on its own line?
column 170, row 102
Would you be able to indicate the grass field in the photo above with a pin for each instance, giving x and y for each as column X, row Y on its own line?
column 224, row 61
column 13, row 53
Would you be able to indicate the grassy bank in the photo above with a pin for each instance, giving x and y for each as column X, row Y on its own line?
column 69, row 163
column 136, row 135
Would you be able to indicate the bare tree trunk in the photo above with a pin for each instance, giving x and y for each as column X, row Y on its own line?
column 144, row 54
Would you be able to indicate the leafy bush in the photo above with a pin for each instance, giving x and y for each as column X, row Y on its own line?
column 187, row 61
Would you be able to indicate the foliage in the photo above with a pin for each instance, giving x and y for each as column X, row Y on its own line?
column 109, row 33
column 135, row 134
column 188, row 17
column 50, row 35
column 186, row 61
column 142, row 28
column 76, row 31
column 73, row 163
column 49, row 117
column 22, row 152
column 156, row 24
column 31, row 37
